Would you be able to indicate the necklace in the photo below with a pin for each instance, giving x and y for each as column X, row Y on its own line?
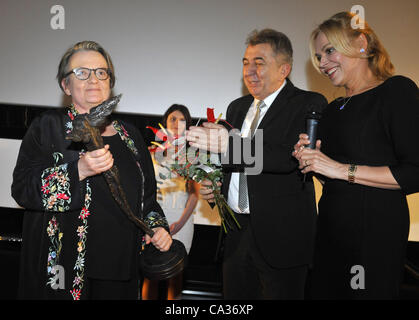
column 344, row 103
column 363, row 89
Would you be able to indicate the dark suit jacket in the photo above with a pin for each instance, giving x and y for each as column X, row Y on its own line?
column 282, row 210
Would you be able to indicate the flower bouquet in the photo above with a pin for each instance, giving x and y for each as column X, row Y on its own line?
column 194, row 164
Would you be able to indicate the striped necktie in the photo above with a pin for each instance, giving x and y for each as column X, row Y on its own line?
column 243, row 192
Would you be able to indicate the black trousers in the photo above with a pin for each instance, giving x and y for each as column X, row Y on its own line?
column 247, row 276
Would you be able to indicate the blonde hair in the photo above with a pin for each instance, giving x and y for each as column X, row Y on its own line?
column 341, row 35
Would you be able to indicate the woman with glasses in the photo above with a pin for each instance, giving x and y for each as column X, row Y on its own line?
column 77, row 242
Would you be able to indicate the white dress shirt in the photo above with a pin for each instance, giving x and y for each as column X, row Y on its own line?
column 233, row 190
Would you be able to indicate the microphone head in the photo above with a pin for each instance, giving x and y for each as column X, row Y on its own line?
column 314, row 112
column 312, row 122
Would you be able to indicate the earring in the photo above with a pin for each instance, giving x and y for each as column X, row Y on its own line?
column 362, row 50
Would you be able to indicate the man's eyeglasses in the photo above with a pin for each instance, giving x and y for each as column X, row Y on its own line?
column 84, row 73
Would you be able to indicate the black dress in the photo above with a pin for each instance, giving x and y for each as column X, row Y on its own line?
column 112, row 258
column 363, row 231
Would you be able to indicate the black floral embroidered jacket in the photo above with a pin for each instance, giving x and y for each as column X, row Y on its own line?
column 56, row 224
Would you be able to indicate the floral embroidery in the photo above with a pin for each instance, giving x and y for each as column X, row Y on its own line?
column 154, row 220
column 55, row 237
column 55, row 187
column 76, row 294
column 125, row 137
column 56, row 196
column 81, row 231
column 72, row 112
column 78, row 281
column 84, row 213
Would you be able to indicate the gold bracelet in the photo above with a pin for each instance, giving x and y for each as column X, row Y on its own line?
column 351, row 173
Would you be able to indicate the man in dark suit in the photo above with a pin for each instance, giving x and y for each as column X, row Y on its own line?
column 268, row 257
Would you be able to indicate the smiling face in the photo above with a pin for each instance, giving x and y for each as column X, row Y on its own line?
column 263, row 71
column 86, row 94
column 176, row 123
column 339, row 68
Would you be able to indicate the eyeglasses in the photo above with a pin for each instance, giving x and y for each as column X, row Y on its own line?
column 84, row 73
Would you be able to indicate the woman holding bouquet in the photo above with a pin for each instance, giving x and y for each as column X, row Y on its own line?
column 366, row 162
column 177, row 197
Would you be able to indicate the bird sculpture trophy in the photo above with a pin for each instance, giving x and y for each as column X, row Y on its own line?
column 154, row 264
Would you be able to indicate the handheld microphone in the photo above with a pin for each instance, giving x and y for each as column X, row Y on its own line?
column 312, row 124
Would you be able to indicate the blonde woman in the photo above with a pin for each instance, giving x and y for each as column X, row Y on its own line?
column 367, row 163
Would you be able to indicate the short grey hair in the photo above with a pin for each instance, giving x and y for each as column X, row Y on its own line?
column 84, row 46
column 280, row 43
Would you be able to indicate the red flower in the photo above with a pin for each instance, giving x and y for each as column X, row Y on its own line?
column 62, row 196
column 210, row 115
column 76, row 294
column 84, row 213
column 154, row 149
column 51, row 176
column 44, row 188
column 125, row 131
column 159, row 133
column 70, row 114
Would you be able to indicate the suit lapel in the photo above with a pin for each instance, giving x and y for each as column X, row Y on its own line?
column 278, row 105
column 240, row 115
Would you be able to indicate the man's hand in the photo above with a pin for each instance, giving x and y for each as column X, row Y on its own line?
column 206, row 191
column 212, row 137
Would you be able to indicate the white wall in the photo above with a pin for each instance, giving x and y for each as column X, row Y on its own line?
column 174, row 51
column 184, row 51
column 9, row 149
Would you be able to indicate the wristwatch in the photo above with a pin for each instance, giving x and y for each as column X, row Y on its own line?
column 351, row 173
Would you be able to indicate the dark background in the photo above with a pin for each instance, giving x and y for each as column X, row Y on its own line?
column 202, row 276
